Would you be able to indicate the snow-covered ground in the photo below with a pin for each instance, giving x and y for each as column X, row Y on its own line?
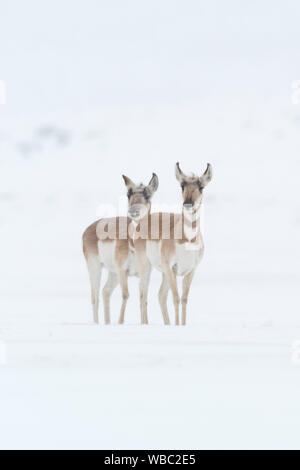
column 132, row 87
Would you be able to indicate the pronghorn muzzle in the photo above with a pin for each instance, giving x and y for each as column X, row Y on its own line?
column 188, row 204
column 134, row 211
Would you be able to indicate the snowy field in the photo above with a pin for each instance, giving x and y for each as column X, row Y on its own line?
column 132, row 87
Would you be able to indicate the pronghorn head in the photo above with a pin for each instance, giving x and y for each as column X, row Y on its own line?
column 192, row 187
column 139, row 197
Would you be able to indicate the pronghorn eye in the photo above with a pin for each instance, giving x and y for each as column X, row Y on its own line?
column 200, row 187
column 182, row 187
column 130, row 193
column 146, row 195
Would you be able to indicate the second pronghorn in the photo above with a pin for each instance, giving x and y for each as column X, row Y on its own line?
column 108, row 243
column 173, row 243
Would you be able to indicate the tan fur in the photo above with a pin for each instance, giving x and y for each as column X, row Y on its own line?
column 90, row 240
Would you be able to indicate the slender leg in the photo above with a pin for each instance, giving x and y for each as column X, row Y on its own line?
column 111, row 283
column 163, row 296
column 123, row 279
column 144, row 288
column 144, row 268
column 186, row 284
column 95, row 269
column 121, row 255
column 172, row 280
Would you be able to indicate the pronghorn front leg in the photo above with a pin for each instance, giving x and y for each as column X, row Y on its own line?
column 123, row 278
column 121, row 255
column 186, row 284
column 172, row 280
column 144, row 288
column 144, row 268
column 163, row 296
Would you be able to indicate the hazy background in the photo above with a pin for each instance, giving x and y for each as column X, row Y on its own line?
column 106, row 88
column 96, row 89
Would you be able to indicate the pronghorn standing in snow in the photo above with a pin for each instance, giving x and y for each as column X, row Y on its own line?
column 174, row 243
column 108, row 243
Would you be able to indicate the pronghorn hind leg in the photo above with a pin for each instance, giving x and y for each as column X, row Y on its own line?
column 111, row 284
column 186, row 284
column 95, row 269
column 123, row 279
column 163, row 296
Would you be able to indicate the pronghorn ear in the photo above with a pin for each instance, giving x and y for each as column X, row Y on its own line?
column 207, row 175
column 179, row 174
column 153, row 185
column 128, row 181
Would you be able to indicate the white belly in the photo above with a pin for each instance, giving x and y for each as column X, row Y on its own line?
column 131, row 264
column 153, row 251
column 107, row 255
column 186, row 258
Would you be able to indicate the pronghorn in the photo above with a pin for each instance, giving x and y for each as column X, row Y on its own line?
column 108, row 243
column 173, row 243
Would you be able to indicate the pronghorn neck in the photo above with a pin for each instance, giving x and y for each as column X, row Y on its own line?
column 136, row 226
column 139, row 221
column 191, row 224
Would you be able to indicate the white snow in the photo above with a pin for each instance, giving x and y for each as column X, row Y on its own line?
column 132, row 87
